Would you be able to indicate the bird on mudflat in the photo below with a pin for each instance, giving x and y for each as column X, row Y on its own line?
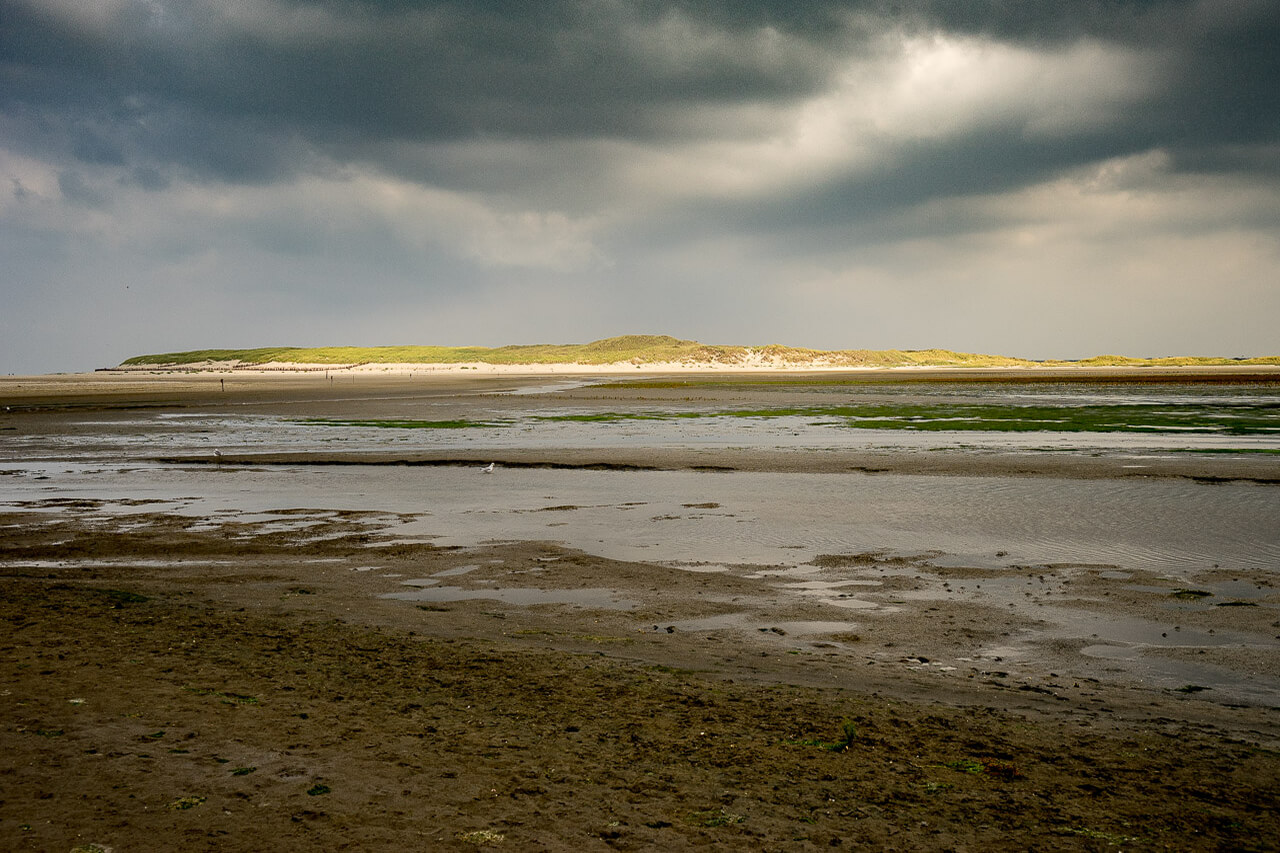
column 488, row 469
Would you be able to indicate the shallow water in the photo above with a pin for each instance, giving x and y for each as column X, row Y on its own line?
column 1162, row 525
column 535, row 416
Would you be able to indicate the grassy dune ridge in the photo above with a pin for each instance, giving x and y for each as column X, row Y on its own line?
column 642, row 349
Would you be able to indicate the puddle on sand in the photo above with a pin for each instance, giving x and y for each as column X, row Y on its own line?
column 590, row 598
column 745, row 622
column 812, row 628
column 828, row 592
column 1170, row 674
column 1139, row 634
column 1132, row 646
column 849, row 603
column 1188, row 596
column 456, row 570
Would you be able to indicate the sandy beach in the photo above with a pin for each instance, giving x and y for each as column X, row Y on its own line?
column 344, row 675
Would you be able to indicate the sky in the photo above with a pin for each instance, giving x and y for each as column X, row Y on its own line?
column 1039, row 179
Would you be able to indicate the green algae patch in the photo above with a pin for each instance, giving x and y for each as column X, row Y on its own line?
column 1190, row 419
column 184, row 803
column 1135, row 418
column 618, row 417
column 1272, row 451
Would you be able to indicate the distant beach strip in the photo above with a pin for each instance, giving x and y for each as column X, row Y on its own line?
column 655, row 353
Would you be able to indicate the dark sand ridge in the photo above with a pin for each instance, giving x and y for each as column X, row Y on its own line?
column 1209, row 470
column 219, row 681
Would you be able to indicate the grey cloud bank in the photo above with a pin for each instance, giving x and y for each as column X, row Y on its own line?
column 1042, row 180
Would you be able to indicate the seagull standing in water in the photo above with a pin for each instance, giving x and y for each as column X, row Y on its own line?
column 488, row 469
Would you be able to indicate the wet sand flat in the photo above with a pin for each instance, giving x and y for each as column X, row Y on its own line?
column 337, row 676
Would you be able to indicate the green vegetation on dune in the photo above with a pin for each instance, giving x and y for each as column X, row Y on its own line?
column 1170, row 361
column 643, row 348
column 640, row 349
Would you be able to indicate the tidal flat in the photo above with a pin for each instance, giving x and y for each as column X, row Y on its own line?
column 751, row 612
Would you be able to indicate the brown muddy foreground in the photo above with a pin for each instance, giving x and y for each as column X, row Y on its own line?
column 233, row 683
column 174, row 688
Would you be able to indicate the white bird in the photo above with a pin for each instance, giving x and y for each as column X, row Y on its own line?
column 488, row 469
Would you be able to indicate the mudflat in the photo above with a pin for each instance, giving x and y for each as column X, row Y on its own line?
column 224, row 678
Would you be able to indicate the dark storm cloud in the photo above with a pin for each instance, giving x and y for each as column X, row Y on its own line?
column 215, row 90
column 158, row 81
